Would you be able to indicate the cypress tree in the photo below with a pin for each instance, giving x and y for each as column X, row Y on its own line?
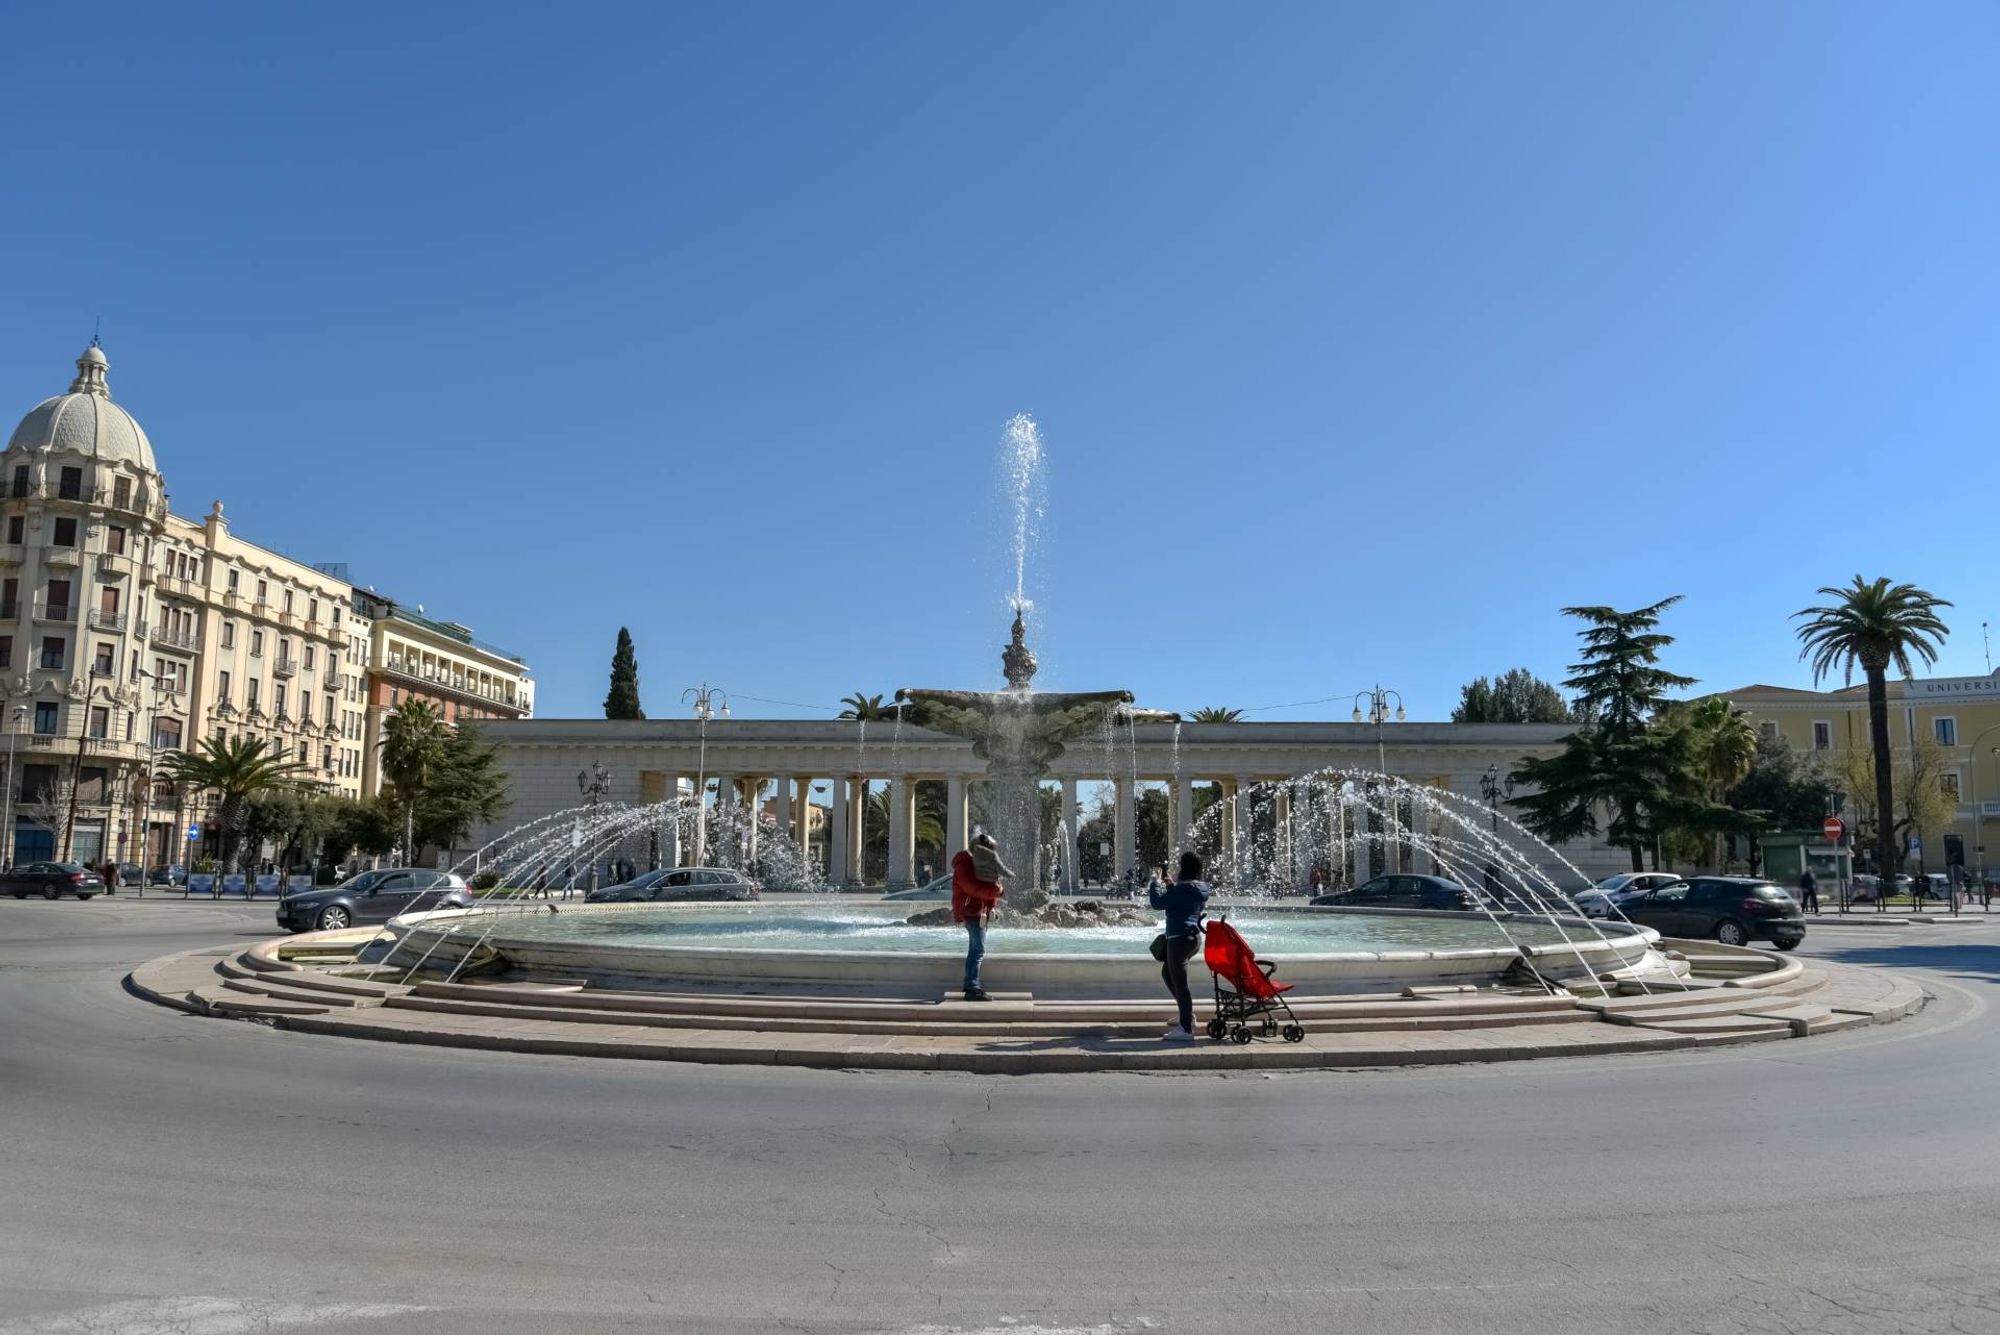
column 622, row 701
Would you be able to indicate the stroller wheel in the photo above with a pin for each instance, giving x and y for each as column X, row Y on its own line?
column 1295, row 1033
column 1240, row 1034
column 1216, row 1029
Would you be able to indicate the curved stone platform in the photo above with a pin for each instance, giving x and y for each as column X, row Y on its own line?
column 305, row 983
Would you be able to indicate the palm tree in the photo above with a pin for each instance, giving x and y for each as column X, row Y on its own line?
column 1875, row 624
column 867, row 707
column 413, row 742
column 239, row 769
column 1724, row 747
column 1214, row 714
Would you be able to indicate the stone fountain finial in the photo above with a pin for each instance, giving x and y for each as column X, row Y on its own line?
column 1017, row 659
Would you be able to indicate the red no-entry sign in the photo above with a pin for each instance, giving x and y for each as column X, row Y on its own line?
column 1834, row 829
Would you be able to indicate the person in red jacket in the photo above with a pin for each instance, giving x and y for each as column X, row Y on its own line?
column 976, row 874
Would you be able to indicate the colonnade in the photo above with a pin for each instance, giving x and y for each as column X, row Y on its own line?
column 839, row 849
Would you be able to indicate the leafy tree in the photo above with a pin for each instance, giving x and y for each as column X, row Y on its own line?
column 1214, row 714
column 1787, row 790
column 238, row 769
column 622, row 700
column 355, row 826
column 414, row 736
column 928, row 828
column 1924, row 804
column 467, row 788
column 1873, row 625
column 867, row 707
column 1721, row 747
column 1515, row 696
column 1616, row 763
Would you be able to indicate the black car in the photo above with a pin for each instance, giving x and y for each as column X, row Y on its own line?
column 1730, row 909
column 372, row 897
column 679, row 885
column 1402, row 890
column 51, row 880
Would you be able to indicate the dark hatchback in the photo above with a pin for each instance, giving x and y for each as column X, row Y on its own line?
column 51, row 880
column 1402, row 891
column 679, row 885
column 1730, row 909
column 372, row 897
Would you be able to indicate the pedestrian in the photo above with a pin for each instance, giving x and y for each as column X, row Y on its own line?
column 1808, row 892
column 977, row 882
column 1183, row 902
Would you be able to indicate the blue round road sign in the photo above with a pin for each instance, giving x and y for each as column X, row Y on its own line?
column 194, row 832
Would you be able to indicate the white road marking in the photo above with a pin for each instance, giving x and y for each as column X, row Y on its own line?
column 197, row 1316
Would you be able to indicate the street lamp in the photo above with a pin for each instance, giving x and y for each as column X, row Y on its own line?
column 1492, row 787
column 152, row 758
column 704, row 699
column 20, row 716
column 592, row 784
column 1378, row 714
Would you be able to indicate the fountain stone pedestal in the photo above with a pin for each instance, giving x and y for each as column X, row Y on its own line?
column 1020, row 733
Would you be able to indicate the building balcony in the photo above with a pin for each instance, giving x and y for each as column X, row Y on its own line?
column 448, row 684
column 45, row 611
column 115, row 565
column 111, row 621
column 103, row 671
column 61, row 556
column 12, row 553
column 8, row 611
column 185, row 640
column 285, row 667
column 43, row 741
column 289, row 618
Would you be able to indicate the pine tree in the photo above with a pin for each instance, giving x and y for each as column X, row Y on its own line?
column 622, row 701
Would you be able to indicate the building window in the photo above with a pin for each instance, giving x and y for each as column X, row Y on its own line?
column 17, row 529
column 65, row 533
column 235, row 577
column 1949, row 782
column 222, row 686
column 167, row 735
column 1946, row 731
column 121, row 493
column 45, row 718
column 6, row 651
column 114, row 540
column 250, row 693
column 1822, row 733
column 288, row 600
column 312, row 609
column 105, row 661
column 1768, row 730
column 100, row 722
column 229, row 634
column 53, row 649
column 263, row 591
column 278, row 697
column 70, row 487
column 20, row 479
column 256, row 643
column 309, row 658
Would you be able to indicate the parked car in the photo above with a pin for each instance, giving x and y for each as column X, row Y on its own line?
column 51, row 880
column 1868, row 887
column 372, row 897
column 175, row 875
column 1731, row 909
column 129, row 874
column 639, row 888
column 1401, row 891
column 686, row 885
column 1603, row 899
column 937, row 888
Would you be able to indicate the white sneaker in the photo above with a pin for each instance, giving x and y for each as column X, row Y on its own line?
column 1176, row 1034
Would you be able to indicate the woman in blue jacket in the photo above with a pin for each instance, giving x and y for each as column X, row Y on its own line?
column 1183, row 902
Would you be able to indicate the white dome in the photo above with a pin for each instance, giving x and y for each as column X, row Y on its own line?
column 85, row 421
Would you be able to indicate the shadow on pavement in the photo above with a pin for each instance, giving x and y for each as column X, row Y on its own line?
column 1980, row 963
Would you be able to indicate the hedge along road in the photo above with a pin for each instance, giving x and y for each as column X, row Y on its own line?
column 163, row 1172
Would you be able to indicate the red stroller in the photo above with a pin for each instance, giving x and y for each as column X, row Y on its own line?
column 1250, row 994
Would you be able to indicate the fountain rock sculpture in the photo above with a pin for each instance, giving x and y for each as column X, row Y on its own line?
column 1020, row 733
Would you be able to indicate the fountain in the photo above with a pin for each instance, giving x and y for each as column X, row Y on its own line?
column 1020, row 733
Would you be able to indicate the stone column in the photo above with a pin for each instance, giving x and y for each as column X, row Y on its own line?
column 802, row 817
column 902, row 837
column 1177, row 833
column 954, row 817
column 670, row 824
column 837, row 841
column 1245, row 852
column 784, row 804
column 753, row 816
column 699, row 854
column 1072, row 842
column 857, row 829
column 1122, row 824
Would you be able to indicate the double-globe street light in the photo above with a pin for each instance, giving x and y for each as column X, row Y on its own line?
column 704, row 699
column 1493, row 787
column 1378, row 714
column 592, row 785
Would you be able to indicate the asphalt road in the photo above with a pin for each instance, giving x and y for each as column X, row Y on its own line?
column 164, row 1173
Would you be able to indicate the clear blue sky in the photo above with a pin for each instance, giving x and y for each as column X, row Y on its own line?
column 1363, row 337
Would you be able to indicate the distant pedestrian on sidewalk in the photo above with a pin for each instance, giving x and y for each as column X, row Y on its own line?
column 1808, row 892
column 977, row 874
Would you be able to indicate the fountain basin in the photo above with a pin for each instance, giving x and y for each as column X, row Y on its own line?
column 861, row 947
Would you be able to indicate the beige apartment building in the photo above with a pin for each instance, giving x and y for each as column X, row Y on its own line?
column 128, row 632
column 414, row 656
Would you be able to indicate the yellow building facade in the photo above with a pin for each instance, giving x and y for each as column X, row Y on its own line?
column 1960, row 714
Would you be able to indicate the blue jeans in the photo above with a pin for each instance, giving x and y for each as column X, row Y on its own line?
column 975, row 949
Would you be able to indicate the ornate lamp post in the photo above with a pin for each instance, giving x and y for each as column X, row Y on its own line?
column 593, row 784
column 704, row 698
column 13, row 780
column 1378, row 714
column 1493, row 787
